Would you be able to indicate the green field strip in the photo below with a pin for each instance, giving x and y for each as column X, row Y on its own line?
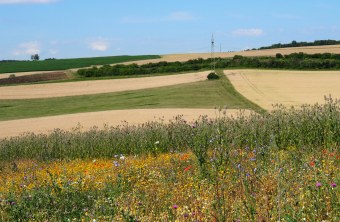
column 64, row 64
column 204, row 94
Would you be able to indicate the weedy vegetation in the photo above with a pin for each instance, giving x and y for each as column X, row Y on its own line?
column 277, row 166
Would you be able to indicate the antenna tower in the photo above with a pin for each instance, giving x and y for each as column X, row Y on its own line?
column 212, row 53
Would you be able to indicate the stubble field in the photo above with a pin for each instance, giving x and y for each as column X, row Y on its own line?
column 290, row 88
column 96, row 87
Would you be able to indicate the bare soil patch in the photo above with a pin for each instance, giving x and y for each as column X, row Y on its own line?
column 111, row 118
column 290, row 88
column 96, row 87
column 33, row 78
column 17, row 74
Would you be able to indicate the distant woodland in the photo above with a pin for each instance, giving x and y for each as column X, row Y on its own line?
column 301, row 44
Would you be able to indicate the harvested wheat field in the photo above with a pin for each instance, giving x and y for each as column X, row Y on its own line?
column 96, row 87
column 111, row 118
column 335, row 49
column 290, row 88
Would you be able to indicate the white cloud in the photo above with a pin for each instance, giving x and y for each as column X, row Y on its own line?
column 99, row 45
column 26, row 1
column 248, row 32
column 28, row 48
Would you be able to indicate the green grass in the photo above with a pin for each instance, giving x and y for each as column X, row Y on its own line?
column 205, row 94
column 63, row 64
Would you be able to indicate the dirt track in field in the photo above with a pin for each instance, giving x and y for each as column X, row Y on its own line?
column 290, row 88
column 96, row 87
column 111, row 118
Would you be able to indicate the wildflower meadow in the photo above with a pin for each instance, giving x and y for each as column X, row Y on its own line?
column 277, row 166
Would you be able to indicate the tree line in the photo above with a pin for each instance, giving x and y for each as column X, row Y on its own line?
column 300, row 61
column 301, row 44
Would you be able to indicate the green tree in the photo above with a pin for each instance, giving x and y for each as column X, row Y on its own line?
column 35, row 57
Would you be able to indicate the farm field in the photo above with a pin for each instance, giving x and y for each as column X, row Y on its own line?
column 177, row 111
column 7, row 75
column 139, row 106
column 251, row 53
column 290, row 88
column 156, row 149
column 64, row 64
column 96, row 87
column 27, row 69
column 225, row 166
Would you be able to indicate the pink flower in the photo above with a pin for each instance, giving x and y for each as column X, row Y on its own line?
column 333, row 184
column 175, row 206
column 318, row 184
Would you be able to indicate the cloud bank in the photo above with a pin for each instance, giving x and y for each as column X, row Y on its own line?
column 28, row 48
column 99, row 45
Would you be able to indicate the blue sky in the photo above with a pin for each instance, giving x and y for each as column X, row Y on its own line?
column 80, row 28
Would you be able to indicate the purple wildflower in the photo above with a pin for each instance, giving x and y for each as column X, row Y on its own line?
column 175, row 206
column 318, row 184
column 333, row 184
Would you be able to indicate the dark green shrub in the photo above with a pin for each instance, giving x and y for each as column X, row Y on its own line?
column 212, row 76
column 279, row 56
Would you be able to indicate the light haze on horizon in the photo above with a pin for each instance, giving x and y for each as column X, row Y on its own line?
column 75, row 28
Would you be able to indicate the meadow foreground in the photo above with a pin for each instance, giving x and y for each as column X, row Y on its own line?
column 277, row 166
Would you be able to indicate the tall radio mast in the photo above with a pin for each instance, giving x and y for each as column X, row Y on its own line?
column 212, row 53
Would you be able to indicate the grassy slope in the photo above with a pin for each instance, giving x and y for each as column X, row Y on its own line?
column 63, row 64
column 205, row 94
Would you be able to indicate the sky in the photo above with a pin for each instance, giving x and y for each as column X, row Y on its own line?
column 89, row 28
